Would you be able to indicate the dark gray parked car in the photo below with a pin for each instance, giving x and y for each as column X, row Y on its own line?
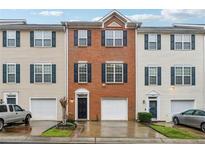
column 193, row 118
column 13, row 113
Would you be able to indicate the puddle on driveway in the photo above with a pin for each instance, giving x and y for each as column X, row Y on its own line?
column 17, row 128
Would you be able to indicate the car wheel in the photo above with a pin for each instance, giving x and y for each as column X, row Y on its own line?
column 176, row 121
column 1, row 125
column 27, row 120
column 203, row 127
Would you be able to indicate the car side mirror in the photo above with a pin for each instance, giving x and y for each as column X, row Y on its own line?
column 182, row 113
column 23, row 109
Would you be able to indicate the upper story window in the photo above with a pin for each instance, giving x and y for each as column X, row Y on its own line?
column 152, row 41
column 114, row 73
column 11, row 38
column 182, row 42
column 11, row 73
column 114, row 38
column 82, row 73
column 43, row 73
column 152, row 75
column 183, row 75
column 82, row 37
column 42, row 38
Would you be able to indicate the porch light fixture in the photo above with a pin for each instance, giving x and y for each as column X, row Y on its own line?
column 143, row 102
column 172, row 88
column 71, row 100
column 103, row 84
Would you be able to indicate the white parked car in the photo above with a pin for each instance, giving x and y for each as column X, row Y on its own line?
column 13, row 113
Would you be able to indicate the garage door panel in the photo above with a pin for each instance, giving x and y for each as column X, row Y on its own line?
column 178, row 106
column 43, row 109
column 112, row 109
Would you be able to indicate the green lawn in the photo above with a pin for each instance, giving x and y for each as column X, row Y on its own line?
column 54, row 132
column 174, row 132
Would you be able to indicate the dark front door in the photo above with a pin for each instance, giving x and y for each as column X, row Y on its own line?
column 82, row 108
column 153, row 108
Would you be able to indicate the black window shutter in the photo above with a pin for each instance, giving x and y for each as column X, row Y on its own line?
column 32, row 39
column 146, row 76
column 18, row 38
column 172, row 42
column 159, row 73
column 89, row 72
column 158, row 42
column 4, row 73
column 76, row 72
column 17, row 73
column 103, row 73
column 75, row 37
column 124, row 38
column 53, row 39
column 103, row 38
column 89, row 38
column 193, row 42
column 31, row 73
column 193, row 76
column 125, row 74
column 4, row 39
column 172, row 75
column 146, row 41
column 53, row 73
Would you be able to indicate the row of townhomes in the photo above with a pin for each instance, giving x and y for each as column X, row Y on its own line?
column 109, row 69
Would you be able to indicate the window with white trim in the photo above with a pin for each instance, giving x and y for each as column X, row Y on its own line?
column 152, row 41
column 182, row 41
column 114, row 73
column 82, row 73
column 183, row 75
column 11, row 38
column 153, row 75
column 82, row 37
column 11, row 73
column 114, row 38
column 43, row 73
column 42, row 38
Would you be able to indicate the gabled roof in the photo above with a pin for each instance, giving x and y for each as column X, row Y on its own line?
column 100, row 23
column 117, row 14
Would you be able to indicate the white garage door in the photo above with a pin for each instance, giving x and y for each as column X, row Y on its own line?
column 43, row 109
column 114, row 109
column 178, row 106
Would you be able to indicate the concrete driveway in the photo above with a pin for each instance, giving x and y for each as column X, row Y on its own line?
column 34, row 129
column 130, row 129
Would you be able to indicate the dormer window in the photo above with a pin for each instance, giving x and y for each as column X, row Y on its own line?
column 114, row 38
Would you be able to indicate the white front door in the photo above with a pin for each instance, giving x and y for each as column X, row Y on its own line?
column 43, row 109
column 114, row 109
column 10, row 98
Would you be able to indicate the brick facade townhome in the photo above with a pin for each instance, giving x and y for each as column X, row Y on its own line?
column 101, row 81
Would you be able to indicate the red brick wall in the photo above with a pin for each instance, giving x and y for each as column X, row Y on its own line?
column 96, row 55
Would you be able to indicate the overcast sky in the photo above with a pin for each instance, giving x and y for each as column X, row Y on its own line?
column 149, row 17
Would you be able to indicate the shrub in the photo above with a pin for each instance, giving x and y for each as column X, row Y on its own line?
column 144, row 116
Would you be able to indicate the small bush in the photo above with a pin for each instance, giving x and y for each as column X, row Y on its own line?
column 144, row 116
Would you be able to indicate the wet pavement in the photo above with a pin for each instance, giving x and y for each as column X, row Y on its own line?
column 184, row 128
column 34, row 129
column 119, row 129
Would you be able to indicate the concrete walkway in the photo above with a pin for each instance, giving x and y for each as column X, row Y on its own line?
column 118, row 129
